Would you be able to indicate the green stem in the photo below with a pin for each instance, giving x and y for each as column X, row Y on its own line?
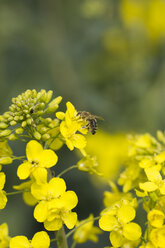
column 68, row 169
column 15, row 192
column 61, row 238
column 74, row 244
column 18, row 158
column 84, row 222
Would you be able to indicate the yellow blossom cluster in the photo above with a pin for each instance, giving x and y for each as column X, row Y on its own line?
column 139, row 162
column 117, row 219
column 52, row 202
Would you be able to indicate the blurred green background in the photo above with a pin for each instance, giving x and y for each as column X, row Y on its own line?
column 105, row 56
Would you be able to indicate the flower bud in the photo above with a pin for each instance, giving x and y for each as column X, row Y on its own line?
column 5, row 133
column 3, row 125
column 5, row 160
column 45, row 136
column 48, row 96
column 37, row 135
column 24, row 123
column 13, row 137
column 19, row 130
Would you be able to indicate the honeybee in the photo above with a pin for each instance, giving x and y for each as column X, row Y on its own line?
column 90, row 119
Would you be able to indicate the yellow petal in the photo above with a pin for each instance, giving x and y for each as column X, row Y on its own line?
column 146, row 162
column 70, row 219
column 64, row 129
column 40, row 175
column 126, row 213
column 23, row 170
column 160, row 158
column 39, row 191
column 116, row 239
column 79, row 141
column 47, row 158
column 33, row 149
column 71, row 109
column 148, row 186
column 69, row 144
column 19, row 242
column 132, row 231
column 69, row 199
column 53, row 225
column 2, row 180
column 108, row 222
column 29, row 199
column 25, row 185
column 40, row 240
column 57, row 204
column 140, row 193
column 153, row 174
column 56, row 187
column 3, row 199
column 41, row 211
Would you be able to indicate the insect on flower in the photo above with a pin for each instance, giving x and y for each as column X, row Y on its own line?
column 90, row 119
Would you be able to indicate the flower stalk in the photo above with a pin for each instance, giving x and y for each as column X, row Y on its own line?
column 61, row 238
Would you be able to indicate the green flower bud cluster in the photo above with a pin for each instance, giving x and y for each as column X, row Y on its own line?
column 26, row 114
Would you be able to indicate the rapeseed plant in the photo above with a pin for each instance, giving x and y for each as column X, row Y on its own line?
column 140, row 162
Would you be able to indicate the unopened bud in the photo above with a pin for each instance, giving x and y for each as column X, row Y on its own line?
column 3, row 125
column 13, row 137
column 45, row 136
column 37, row 135
column 24, row 123
column 5, row 160
column 19, row 130
column 5, row 133
column 13, row 123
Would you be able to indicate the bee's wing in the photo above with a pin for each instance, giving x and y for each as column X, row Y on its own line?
column 98, row 117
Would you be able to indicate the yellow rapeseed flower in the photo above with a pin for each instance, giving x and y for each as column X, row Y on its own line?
column 55, row 204
column 59, row 212
column 48, row 191
column 117, row 220
column 37, row 158
column 69, row 126
column 39, row 240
